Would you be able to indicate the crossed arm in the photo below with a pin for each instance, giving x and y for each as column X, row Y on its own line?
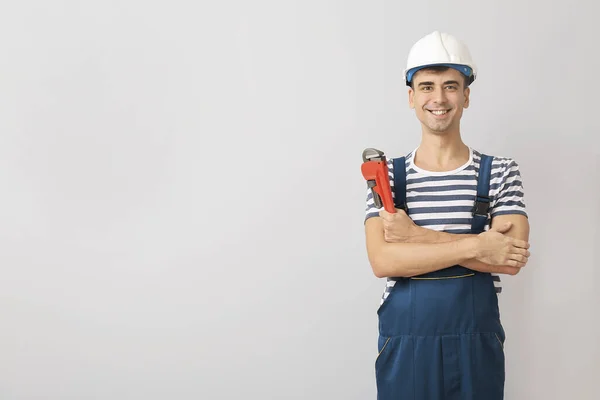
column 396, row 246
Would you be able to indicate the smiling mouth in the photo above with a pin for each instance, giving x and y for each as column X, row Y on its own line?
column 438, row 112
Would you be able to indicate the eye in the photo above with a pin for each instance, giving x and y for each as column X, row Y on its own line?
column 451, row 87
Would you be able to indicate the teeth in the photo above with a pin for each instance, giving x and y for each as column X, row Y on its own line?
column 440, row 112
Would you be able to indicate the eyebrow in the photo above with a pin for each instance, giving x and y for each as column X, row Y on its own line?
column 431, row 83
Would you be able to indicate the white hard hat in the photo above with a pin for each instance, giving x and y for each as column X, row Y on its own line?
column 440, row 49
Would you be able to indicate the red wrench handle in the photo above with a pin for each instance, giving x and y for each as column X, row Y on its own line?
column 376, row 174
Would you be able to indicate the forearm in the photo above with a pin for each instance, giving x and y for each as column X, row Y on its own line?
column 411, row 259
column 424, row 235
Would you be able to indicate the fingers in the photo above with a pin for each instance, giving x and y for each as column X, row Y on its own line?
column 391, row 216
column 389, row 237
column 524, row 252
column 520, row 243
column 516, row 264
column 520, row 258
column 386, row 216
column 386, row 230
column 386, row 224
column 519, row 251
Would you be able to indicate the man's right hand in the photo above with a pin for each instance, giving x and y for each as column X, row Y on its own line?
column 495, row 248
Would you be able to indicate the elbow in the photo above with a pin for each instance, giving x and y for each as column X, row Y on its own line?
column 379, row 272
column 509, row 270
column 384, row 269
column 379, row 267
column 385, row 263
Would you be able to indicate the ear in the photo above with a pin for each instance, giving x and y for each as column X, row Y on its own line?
column 411, row 95
column 467, row 97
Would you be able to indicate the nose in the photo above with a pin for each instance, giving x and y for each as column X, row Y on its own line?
column 439, row 96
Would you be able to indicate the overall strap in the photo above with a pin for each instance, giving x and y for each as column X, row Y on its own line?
column 482, row 200
column 400, row 183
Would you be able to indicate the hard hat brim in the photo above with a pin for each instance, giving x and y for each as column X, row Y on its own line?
column 462, row 68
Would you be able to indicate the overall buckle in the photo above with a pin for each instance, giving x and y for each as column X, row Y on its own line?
column 482, row 206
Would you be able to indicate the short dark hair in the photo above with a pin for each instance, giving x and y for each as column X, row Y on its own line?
column 441, row 68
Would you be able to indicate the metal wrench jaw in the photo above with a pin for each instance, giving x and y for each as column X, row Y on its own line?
column 371, row 154
column 376, row 198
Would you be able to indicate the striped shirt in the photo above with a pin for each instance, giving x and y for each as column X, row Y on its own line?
column 443, row 201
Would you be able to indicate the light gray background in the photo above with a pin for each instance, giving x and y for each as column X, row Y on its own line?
column 182, row 206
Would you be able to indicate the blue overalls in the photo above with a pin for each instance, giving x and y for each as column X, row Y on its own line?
column 440, row 336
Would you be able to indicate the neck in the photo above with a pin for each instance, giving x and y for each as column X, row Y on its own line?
column 439, row 153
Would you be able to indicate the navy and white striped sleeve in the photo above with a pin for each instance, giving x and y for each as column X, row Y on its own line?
column 510, row 196
column 371, row 210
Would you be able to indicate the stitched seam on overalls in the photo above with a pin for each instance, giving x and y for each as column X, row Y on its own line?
column 414, row 388
column 383, row 348
column 444, row 277
column 499, row 341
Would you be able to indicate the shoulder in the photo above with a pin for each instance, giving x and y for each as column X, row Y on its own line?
column 501, row 164
column 396, row 161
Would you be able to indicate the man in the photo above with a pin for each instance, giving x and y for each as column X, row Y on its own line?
column 440, row 335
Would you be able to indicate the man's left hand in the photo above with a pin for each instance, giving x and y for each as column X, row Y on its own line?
column 398, row 227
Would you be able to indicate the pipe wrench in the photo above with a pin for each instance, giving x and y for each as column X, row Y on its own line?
column 375, row 171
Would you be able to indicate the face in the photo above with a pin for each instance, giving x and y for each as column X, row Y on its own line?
column 439, row 99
